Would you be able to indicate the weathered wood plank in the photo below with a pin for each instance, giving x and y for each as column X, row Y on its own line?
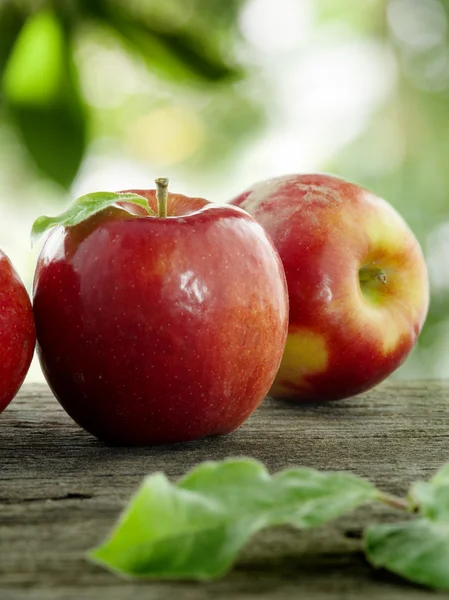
column 61, row 490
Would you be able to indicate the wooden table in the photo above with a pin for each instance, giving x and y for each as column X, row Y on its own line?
column 61, row 490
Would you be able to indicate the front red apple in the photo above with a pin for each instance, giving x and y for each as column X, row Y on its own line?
column 160, row 329
column 357, row 283
column 17, row 335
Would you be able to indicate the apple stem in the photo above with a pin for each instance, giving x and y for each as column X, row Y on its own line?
column 368, row 274
column 161, row 195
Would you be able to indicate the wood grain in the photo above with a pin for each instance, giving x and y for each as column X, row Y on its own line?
column 61, row 490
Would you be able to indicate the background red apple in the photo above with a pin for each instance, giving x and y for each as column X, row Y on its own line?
column 357, row 283
column 17, row 335
column 155, row 330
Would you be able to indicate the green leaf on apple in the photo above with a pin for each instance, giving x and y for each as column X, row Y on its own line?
column 83, row 208
column 194, row 529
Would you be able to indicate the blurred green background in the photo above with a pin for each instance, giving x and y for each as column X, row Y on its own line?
column 217, row 94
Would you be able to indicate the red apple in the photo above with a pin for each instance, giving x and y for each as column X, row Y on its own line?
column 156, row 329
column 17, row 335
column 357, row 283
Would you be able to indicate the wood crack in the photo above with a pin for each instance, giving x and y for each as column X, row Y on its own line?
column 69, row 496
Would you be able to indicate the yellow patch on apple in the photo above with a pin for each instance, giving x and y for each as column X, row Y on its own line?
column 305, row 354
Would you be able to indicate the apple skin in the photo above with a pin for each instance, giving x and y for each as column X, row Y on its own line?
column 17, row 334
column 345, row 336
column 157, row 330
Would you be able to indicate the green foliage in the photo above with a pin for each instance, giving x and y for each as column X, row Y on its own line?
column 178, row 53
column 432, row 497
column 43, row 99
column 83, row 208
column 41, row 95
column 11, row 22
column 196, row 528
column 365, row 17
column 36, row 67
column 417, row 550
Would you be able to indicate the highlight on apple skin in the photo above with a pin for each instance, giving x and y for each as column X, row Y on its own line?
column 17, row 334
column 160, row 329
column 357, row 283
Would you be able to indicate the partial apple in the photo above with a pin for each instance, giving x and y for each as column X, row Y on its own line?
column 356, row 278
column 17, row 335
column 160, row 318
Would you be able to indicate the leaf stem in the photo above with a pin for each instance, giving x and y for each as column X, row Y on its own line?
column 161, row 196
column 394, row 502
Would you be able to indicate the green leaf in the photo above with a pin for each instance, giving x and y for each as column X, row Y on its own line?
column 417, row 550
column 36, row 65
column 174, row 55
column 432, row 497
column 55, row 138
column 43, row 99
column 11, row 22
column 83, row 208
column 184, row 55
column 195, row 528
